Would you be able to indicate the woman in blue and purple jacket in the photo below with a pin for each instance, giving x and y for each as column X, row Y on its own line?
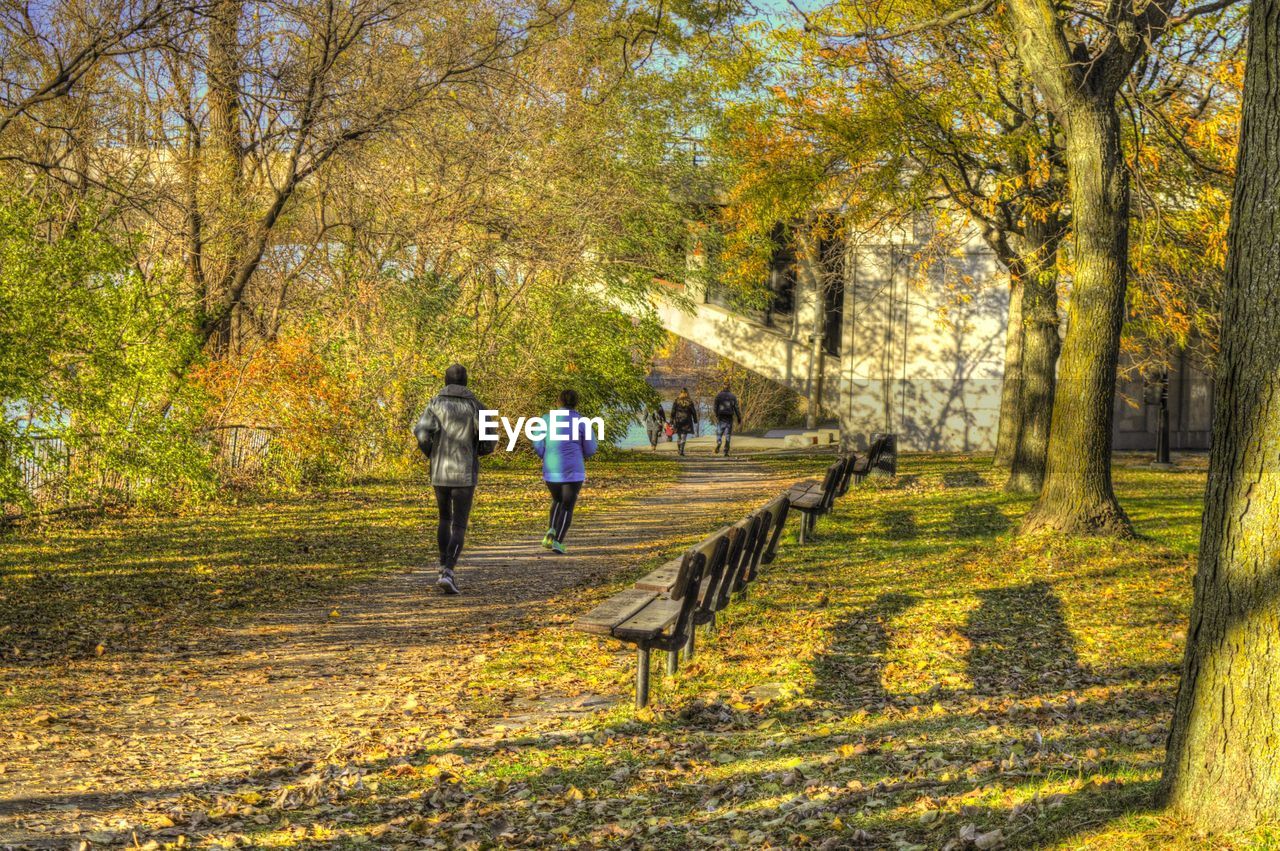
column 569, row 443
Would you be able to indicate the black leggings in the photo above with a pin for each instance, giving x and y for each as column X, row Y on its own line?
column 455, row 511
column 681, row 437
column 563, row 497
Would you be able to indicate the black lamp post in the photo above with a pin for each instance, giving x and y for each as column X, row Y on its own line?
column 1162, row 422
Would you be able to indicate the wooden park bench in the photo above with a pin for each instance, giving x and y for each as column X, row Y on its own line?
column 665, row 606
column 813, row 498
column 816, row 497
column 882, row 457
column 663, row 578
column 752, row 541
column 653, row 620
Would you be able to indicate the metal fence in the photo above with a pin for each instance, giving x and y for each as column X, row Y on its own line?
column 44, row 469
column 55, row 474
column 240, row 450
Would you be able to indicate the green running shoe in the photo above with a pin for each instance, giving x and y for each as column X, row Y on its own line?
column 558, row 547
column 547, row 539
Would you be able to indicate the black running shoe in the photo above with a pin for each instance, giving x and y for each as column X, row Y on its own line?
column 446, row 582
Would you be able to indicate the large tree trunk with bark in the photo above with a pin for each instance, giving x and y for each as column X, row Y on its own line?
column 1040, row 346
column 1011, row 388
column 1077, row 495
column 223, row 173
column 1221, row 772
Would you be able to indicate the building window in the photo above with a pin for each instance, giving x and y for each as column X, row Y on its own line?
column 782, row 284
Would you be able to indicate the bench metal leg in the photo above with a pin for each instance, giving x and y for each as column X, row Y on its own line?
column 642, row 677
column 688, row 645
column 804, row 525
column 673, row 660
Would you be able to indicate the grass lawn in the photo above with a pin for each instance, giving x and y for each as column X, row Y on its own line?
column 916, row 678
column 128, row 580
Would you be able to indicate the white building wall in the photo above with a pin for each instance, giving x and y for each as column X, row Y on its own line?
column 923, row 358
column 920, row 357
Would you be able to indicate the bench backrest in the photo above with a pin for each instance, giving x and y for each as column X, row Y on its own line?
column 884, row 456
column 735, row 575
column 769, row 528
column 700, row 560
column 850, row 461
column 704, row 560
column 875, row 450
column 829, row 484
column 863, row 466
column 778, row 511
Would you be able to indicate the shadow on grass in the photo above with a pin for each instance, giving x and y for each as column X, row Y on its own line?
column 851, row 670
column 684, row 776
column 978, row 520
column 899, row 525
column 678, row 765
column 696, row 794
column 1021, row 644
column 963, row 479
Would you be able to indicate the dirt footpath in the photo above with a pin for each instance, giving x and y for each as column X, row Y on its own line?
column 295, row 687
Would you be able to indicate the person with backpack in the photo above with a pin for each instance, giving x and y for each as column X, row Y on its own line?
column 727, row 410
column 564, row 451
column 448, row 433
column 684, row 417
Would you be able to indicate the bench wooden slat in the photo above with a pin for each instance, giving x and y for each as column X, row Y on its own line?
column 754, row 532
column 807, row 501
column 742, row 538
column 662, row 579
column 779, row 509
column 650, row 622
column 708, row 551
column 617, row 609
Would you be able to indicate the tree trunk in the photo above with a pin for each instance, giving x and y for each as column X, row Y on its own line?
column 1077, row 495
column 223, row 167
column 1221, row 771
column 1039, row 248
column 1011, row 388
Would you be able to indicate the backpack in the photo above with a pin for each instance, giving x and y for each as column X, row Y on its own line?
column 724, row 406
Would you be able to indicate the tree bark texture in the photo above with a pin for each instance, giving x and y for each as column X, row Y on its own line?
column 1077, row 495
column 1221, row 771
column 223, row 167
column 1011, row 389
column 1040, row 347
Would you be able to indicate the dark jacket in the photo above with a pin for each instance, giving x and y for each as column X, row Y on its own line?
column 684, row 415
column 654, row 418
column 448, row 433
column 726, row 407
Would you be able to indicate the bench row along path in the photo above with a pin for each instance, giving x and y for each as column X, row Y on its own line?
column 290, row 688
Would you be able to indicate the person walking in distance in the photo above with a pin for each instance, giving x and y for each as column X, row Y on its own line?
column 655, row 419
column 684, row 417
column 564, row 451
column 448, row 433
column 727, row 410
